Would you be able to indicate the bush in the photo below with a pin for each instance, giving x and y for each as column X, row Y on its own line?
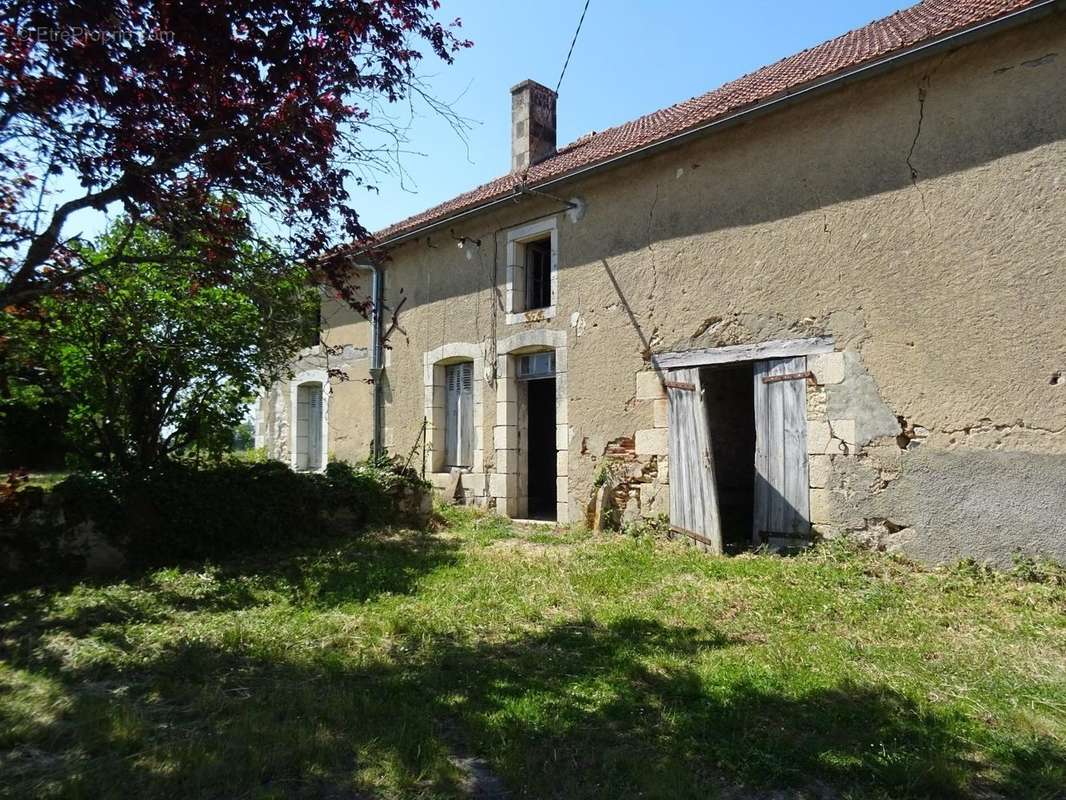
column 180, row 512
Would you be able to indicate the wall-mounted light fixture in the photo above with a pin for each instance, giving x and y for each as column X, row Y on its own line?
column 462, row 240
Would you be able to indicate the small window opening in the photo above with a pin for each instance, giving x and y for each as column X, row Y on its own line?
column 536, row 366
column 538, row 273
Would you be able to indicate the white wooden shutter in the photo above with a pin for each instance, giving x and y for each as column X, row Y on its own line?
column 466, row 414
column 781, row 484
column 451, row 415
column 314, row 427
column 302, row 431
column 693, row 494
column 459, row 415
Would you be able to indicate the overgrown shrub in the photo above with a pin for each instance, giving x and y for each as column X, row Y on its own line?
column 180, row 512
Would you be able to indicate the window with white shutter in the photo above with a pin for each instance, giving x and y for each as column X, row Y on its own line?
column 459, row 414
column 309, row 426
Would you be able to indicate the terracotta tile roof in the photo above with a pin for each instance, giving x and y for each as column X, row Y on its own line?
column 927, row 20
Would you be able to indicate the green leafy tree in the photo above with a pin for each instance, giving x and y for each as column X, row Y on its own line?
column 154, row 360
column 243, row 436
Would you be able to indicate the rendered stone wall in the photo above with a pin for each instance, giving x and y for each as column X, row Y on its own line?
column 345, row 401
column 916, row 217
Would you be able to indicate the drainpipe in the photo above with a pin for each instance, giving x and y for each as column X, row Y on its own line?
column 377, row 357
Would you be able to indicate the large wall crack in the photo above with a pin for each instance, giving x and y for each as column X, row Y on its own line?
column 923, row 95
column 651, row 246
column 986, row 425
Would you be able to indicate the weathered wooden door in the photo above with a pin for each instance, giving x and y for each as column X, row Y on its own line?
column 693, row 494
column 781, row 484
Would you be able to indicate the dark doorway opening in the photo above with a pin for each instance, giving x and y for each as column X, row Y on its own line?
column 540, row 448
column 729, row 398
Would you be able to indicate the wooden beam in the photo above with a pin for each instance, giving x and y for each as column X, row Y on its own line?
column 781, row 348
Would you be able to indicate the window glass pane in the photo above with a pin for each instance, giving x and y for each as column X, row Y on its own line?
column 536, row 365
column 538, row 273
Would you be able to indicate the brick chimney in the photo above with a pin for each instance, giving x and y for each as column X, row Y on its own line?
column 532, row 124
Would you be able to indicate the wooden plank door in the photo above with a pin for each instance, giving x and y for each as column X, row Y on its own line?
column 782, row 493
column 693, row 494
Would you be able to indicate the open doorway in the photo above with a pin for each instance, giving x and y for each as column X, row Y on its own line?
column 540, row 448
column 738, row 448
column 536, row 436
column 729, row 401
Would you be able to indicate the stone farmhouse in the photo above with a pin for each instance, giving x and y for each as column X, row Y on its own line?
column 826, row 298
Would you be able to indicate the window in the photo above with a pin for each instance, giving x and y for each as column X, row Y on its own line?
column 309, row 426
column 459, row 418
column 538, row 273
column 532, row 271
column 536, row 365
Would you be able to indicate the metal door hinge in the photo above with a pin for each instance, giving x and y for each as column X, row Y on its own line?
column 791, row 376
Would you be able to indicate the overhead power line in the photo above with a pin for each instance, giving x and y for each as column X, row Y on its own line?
column 572, row 43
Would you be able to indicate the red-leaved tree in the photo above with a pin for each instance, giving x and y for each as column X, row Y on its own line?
column 193, row 117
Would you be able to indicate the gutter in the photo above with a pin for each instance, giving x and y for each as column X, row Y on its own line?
column 377, row 352
column 821, row 86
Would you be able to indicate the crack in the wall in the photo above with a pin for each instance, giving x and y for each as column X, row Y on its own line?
column 842, row 446
column 923, row 92
column 651, row 246
column 986, row 425
column 704, row 326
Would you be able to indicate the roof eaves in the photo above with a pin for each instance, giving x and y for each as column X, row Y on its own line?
column 921, row 48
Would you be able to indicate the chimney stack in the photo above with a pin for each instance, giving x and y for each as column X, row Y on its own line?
column 532, row 124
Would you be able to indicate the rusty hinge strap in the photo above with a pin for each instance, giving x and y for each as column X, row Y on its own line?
column 699, row 537
column 791, row 376
column 689, row 387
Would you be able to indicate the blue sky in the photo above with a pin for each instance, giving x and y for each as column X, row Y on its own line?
column 632, row 57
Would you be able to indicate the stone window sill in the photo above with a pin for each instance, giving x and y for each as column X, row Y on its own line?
column 534, row 315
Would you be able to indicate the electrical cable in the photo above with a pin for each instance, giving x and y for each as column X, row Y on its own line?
column 572, row 43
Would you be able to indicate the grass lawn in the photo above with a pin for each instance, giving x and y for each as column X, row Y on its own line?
column 46, row 480
column 572, row 665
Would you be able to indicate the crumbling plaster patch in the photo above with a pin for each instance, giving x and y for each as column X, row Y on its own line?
column 857, row 398
column 900, row 489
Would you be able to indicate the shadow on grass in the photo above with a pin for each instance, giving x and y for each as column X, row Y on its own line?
column 332, row 572
column 580, row 710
